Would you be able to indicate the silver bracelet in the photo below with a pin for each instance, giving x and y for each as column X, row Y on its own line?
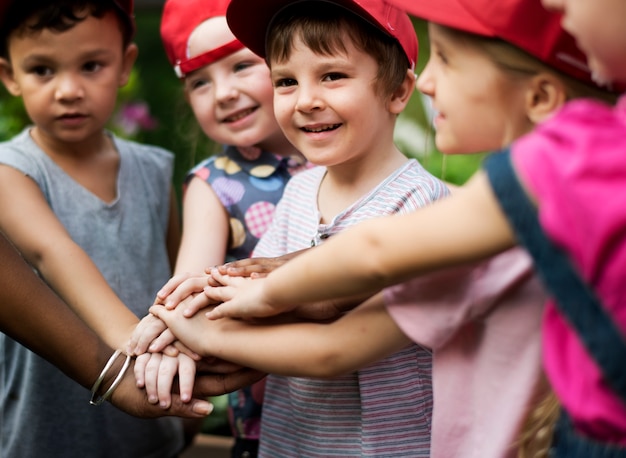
column 97, row 400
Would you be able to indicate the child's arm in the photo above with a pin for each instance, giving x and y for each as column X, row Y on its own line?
column 362, row 336
column 204, row 243
column 466, row 226
column 173, row 230
column 32, row 226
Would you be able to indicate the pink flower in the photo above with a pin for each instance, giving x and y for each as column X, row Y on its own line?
column 133, row 117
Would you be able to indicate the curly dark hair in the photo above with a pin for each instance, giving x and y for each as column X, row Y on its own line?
column 32, row 16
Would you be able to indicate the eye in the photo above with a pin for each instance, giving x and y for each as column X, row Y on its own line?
column 334, row 76
column 242, row 66
column 196, row 83
column 440, row 54
column 285, row 82
column 41, row 71
column 91, row 66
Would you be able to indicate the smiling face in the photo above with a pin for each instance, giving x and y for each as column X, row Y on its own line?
column 232, row 97
column 69, row 80
column 599, row 27
column 328, row 105
column 478, row 107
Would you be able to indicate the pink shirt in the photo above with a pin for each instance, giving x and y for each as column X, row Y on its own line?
column 575, row 166
column 483, row 324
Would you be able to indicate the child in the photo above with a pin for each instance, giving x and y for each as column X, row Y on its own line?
column 578, row 195
column 229, row 198
column 341, row 76
column 73, row 200
column 463, row 313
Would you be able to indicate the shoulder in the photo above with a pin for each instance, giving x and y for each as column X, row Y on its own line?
column 22, row 153
column 143, row 151
column 414, row 178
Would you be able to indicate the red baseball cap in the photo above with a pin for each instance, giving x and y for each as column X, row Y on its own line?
column 523, row 23
column 180, row 18
column 250, row 19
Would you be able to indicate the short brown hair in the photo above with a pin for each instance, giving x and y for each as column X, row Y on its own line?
column 323, row 30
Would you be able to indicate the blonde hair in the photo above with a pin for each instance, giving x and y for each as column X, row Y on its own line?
column 517, row 63
column 535, row 438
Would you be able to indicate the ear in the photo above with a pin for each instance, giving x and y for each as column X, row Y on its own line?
column 6, row 75
column 401, row 96
column 128, row 60
column 545, row 95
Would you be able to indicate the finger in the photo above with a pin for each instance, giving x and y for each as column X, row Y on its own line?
column 151, row 377
column 197, row 303
column 186, row 376
column 171, row 285
column 216, row 295
column 212, row 282
column 182, row 348
column 191, row 285
column 140, row 368
column 196, row 408
column 167, row 371
column 231, row 309
column 130, row 399
column 146, row 331
column 163, row 342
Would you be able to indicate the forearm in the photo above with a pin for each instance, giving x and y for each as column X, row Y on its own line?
column 465, row 227
column 87, row 293
column 362, row 336
column 33, row 315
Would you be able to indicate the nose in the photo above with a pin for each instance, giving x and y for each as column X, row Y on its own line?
column 309, row 98
column 225, row 90
column 69, row 88
column 425, row 82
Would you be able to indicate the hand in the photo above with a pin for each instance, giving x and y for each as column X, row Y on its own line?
column 151, row 334
column 179, row 287
column 240, row 298
column 149, row 331
column 133, row 400
column 156, row 372
column 253, row 267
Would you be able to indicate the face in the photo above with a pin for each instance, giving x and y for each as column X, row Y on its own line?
column 477, row 107
column 327, row 105
column 600, row 30
column 232, row 98
column 69, row 80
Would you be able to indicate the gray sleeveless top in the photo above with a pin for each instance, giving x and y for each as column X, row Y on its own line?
column 42, row 412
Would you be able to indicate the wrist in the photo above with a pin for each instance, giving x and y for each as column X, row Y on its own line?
column 110, row 377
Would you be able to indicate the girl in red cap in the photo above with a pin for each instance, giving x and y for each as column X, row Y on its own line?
column 229, row 198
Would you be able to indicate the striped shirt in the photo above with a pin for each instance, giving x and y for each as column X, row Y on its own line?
column 382, row 410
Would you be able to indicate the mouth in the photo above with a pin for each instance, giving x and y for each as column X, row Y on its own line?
column 239, row 115
column 322, row 128
column 72, row 116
